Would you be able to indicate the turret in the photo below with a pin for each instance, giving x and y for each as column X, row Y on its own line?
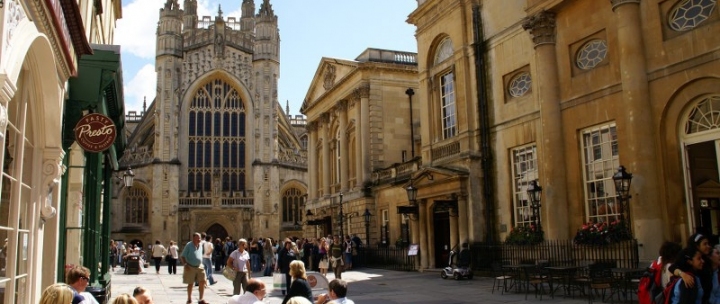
column 190, row 18
column 169, row 39
column 267, row 35
column 247, row 20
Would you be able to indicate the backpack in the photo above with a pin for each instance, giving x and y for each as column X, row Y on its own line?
column 666, row 296
column 650, row 284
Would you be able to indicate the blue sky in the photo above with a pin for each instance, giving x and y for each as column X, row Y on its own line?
column 309, row 30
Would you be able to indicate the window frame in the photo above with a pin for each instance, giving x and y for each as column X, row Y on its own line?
column 521, row 191
column 608, row 166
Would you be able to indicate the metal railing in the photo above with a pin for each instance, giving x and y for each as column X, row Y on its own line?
column 389, row 258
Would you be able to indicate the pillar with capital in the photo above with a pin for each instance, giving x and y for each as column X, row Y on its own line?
column 363, row 93
column 552, row 153
column 341, row 109
column 423, row 235
column 312, row 159
column 640, row 144
column 324, row 129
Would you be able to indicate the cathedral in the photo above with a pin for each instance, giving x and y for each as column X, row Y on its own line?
column 214, row 152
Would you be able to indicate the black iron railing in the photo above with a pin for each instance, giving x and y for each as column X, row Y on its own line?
column 389, row 258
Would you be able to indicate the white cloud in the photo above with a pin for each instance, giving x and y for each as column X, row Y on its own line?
column 141, row 86
column 136, row 30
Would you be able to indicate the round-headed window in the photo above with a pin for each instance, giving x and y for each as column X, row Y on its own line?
column 520, row 84
column 690, row 13
column 591, row 54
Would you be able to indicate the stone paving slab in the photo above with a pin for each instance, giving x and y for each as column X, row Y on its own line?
column 366, row 286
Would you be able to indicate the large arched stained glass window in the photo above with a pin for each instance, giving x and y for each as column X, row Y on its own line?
column 291, row 211
column 704, row 116
column 216, row 143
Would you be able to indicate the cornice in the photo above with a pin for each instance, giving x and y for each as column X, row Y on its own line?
column 541, row 27
column 73, row 18
column 46, row 26
column 618, row 3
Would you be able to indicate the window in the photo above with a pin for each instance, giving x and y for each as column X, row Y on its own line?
column 216, row 143
column 524, row 170
column 690, row 13
column 520, row 84
column 384, row 233
column 601, row 160
column 136, row 206
column 447, row 96
column 304, row 142
column 704, row 116
column 591, row 54
column 291, row 207
column 444, row 51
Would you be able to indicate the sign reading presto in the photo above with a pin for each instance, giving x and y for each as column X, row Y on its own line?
column 95, row 132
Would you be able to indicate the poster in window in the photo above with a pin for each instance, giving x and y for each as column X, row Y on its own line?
column 413, row 249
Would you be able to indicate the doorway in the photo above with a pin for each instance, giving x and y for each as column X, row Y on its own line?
column 704, row 181
column 441, row 228
column 217, row 231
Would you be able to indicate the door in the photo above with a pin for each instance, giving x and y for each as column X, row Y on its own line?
column 442, row 238
column 217, row 231
column 704, row 181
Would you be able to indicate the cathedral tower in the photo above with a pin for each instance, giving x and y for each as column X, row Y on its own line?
column 190, row 18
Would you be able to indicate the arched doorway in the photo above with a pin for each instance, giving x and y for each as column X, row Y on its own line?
column 441, row 230
column 701, row 141
column 217, row 231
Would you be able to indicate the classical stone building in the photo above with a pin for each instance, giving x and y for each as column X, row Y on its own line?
column 565, row 92
column 214, row 152
column 358, row 122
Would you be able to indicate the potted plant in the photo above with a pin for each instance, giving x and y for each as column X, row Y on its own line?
column 525, row 235
column 603, row 233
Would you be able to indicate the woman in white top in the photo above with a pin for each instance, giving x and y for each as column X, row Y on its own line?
column 158, row 252
column 239, row 261
column 172, row 258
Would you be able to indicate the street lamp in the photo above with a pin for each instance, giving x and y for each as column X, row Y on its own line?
column 367, row 216
column 534, row 191
column 622, row 181
column 342, row 233
column 128, row 177
column 412, row 194
column 296, row 225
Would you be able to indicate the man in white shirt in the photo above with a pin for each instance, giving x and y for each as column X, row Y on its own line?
column 336, row 295
column 254, row 294
column 207, row 259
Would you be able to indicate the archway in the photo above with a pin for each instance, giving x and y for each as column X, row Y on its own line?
column 217, row 231
column 441, row 230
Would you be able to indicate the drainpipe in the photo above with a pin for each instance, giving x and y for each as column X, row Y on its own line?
column 484, row 117
column 410, row 92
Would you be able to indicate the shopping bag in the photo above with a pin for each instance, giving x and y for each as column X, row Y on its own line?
column 229, row 274
column 279, row 281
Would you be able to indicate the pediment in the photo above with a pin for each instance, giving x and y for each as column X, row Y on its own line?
column 430, row 175
column 330, row 72
column 708, row 185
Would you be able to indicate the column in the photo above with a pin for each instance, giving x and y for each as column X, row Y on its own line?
column 415, row 239
column 344, row 161
column 422, row 222
column 53, row 169
column 454, row 216
column 463, row 216
column 312, row 160
column 364, row 93
column 639, row 147
column 323, row 129
column 552, row 156
column 359, row 151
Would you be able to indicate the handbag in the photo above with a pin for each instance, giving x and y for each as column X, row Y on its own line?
column 279, row 281
column 168, row 258
column 229, row 274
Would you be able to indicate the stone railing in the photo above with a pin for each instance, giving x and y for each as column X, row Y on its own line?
column 450, row 149
column 195, row 202
column 245, row 202
column 397, row 171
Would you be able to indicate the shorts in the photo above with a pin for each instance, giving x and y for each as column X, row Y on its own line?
column 194, row 274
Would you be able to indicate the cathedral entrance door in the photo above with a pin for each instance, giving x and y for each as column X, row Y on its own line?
column 217, row 231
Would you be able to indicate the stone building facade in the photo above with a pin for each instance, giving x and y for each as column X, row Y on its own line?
column 572, row 90
column 214, row 152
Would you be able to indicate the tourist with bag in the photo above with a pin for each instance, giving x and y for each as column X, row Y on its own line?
column 285, row 256
column 239, row 261
column 269, row 255
column 172, row 257
column 336, row 257
column 324, row 261
column 158, row 252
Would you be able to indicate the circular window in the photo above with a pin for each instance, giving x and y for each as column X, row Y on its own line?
column 690, row 13
column 520, row 85
column 591, row 54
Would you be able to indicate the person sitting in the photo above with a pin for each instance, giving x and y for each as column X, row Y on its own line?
column 142, row 295
column 464, row 256
column 337, row 293
column 254, row 293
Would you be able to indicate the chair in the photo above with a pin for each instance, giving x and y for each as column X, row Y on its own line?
column 535, row 277
column 600, row 279
column 499, row 274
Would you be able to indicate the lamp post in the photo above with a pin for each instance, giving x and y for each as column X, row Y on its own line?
column 412, row 194
column 622, row 181
column 342, row 233
column 128, row 177
column 367, row 216
column 410, row 92
column 534, row 191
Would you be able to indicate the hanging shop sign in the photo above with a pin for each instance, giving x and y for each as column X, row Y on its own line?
column 95, row 132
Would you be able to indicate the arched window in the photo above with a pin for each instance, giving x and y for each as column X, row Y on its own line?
column 446, row 83
column 444, row 51
column 704, row 116
column 216, row 138
column 136, row 206
column 291, row 201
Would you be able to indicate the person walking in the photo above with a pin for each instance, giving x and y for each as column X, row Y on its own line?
column 269, row 254
column 173, row 257
column 239, row 261
column 218, row 254
column 158, row 252
column 285, row 256
column 193, row 269
column 336, row 257
column 324, row 262
column 208, row 249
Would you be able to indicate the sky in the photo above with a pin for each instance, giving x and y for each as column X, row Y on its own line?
column 309, row 30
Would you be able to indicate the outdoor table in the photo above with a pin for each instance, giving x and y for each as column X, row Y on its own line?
column 622, row 280
column 563, row 275
column 518, row 273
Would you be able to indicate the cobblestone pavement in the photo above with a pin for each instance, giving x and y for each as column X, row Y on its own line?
column 365, row 286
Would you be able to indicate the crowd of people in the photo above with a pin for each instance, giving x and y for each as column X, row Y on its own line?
column 203, row 256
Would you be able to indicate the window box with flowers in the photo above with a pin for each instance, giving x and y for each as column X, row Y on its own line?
column 525, row 235
column 603, row 233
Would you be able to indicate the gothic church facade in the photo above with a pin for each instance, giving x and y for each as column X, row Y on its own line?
column 214, row 152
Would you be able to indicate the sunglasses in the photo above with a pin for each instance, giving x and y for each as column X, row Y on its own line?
column 85, row 278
